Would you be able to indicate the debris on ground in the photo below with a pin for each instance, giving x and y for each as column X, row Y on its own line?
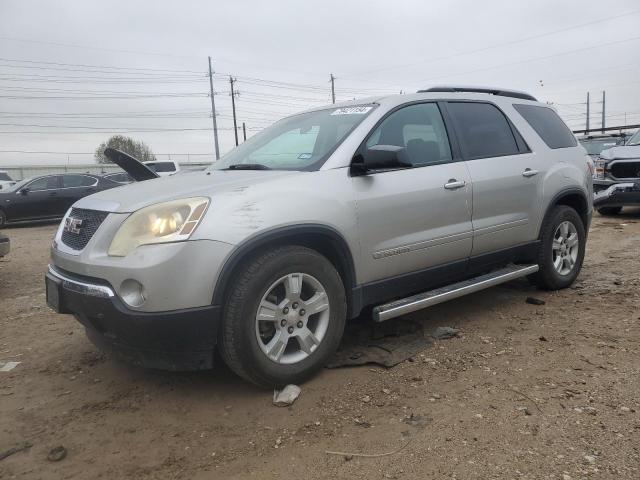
column 535, row 301
column 57, row 453
column 8, row 366
column 18, row 448
column 348, row 456
column 542, row 338
column 443, row 333
column 386, row 344
column 286, row 396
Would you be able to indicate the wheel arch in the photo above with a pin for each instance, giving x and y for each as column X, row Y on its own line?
column 571, row 197
column 321, row 238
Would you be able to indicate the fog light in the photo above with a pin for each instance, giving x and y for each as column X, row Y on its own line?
column 132, row 292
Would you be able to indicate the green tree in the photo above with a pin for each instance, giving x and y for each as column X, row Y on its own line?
column 135, row 148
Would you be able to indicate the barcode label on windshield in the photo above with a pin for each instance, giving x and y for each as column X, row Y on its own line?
column 351, row 110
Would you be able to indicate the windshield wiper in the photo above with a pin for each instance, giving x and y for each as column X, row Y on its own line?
column 247, row 166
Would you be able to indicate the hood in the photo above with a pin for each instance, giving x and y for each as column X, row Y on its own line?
column 621, row 152
column 134, row 196
column 134, row 167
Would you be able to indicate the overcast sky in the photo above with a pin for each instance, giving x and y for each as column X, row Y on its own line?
column 134, row 66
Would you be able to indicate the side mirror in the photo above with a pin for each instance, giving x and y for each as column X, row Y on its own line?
column 380, row 157
column 23, row 191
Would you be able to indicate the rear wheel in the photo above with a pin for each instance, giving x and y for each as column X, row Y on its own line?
column 609, row 210
column 563, row 241
column 284, row 316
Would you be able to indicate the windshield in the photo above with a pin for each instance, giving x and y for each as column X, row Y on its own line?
column 635, row 140
column 5, row 176
column 161, row 167
column 300, row 142
column 596, row 146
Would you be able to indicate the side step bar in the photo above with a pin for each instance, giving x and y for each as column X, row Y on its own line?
column 455, row 290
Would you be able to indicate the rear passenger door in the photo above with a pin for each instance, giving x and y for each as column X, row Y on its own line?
column 504, row 173
column 413, row 219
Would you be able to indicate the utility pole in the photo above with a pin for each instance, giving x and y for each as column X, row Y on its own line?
column 244, row 132
column 333, row 88
column 588, row 114
column 603, row 109
column 233, row 107
column 213, row 113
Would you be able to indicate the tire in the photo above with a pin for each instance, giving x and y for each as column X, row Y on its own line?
column 609, row 210
column 252, row 348
column 564, row 272
column 3, row 219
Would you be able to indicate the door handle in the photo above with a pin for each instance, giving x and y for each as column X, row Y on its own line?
column 454, row 184
column 529, row 173
column 53, row 194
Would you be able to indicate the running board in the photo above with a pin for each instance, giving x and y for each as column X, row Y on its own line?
column 455, row 290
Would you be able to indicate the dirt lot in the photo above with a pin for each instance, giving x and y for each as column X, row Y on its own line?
column 548, row 391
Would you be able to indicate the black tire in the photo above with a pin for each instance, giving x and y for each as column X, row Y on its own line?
column 238, row 342
column 548, row 277
column 609, row 210
column 3, row 219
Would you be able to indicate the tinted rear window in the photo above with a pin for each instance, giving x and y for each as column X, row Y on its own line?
column 483, row 130
column 548, row 125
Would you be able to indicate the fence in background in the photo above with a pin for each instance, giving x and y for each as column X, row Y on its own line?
column 30, row 171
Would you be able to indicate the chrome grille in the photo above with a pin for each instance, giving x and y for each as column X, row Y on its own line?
column 90, row 221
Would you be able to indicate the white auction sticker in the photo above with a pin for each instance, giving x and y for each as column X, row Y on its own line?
column 361, row 110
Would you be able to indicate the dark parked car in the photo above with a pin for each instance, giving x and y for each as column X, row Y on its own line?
column 119, row 177
column 48, row 197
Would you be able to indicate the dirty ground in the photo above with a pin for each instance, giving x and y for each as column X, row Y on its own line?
column 524, row 391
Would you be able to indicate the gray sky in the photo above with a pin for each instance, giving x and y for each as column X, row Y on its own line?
column 154, row 54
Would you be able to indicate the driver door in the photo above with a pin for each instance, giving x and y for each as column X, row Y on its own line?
column 40, row 199
column 415, row 220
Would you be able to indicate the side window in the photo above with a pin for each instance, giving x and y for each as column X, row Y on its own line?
column 419, row 129
column 44, row 183
column 483, row 130
column 70, row 181
column 553, row 131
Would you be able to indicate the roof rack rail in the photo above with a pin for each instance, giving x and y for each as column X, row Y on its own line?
column 493, row 91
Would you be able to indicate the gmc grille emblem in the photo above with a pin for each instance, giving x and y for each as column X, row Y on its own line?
column 72, row 225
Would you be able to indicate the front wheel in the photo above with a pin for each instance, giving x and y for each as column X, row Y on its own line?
column 284, row 316
column 563, row 241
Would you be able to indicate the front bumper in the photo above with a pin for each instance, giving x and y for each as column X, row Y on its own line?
column 618, row 195
column 172, row 340
column 5, row 245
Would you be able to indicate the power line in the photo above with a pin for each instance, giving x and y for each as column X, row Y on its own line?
column 535, row 59
column 503, row 44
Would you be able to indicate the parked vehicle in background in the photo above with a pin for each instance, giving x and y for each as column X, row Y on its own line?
column 5, row 180
column 395, row 203
column 48, row 196
column 616, row 177
column 164, row 168
column 119, row 177
column 595, row 144
column 5, row 245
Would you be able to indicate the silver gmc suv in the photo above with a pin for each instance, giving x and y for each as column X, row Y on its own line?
column 393, row 203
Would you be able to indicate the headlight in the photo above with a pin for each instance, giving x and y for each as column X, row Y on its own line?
column 599, row 169
column 160, row 223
